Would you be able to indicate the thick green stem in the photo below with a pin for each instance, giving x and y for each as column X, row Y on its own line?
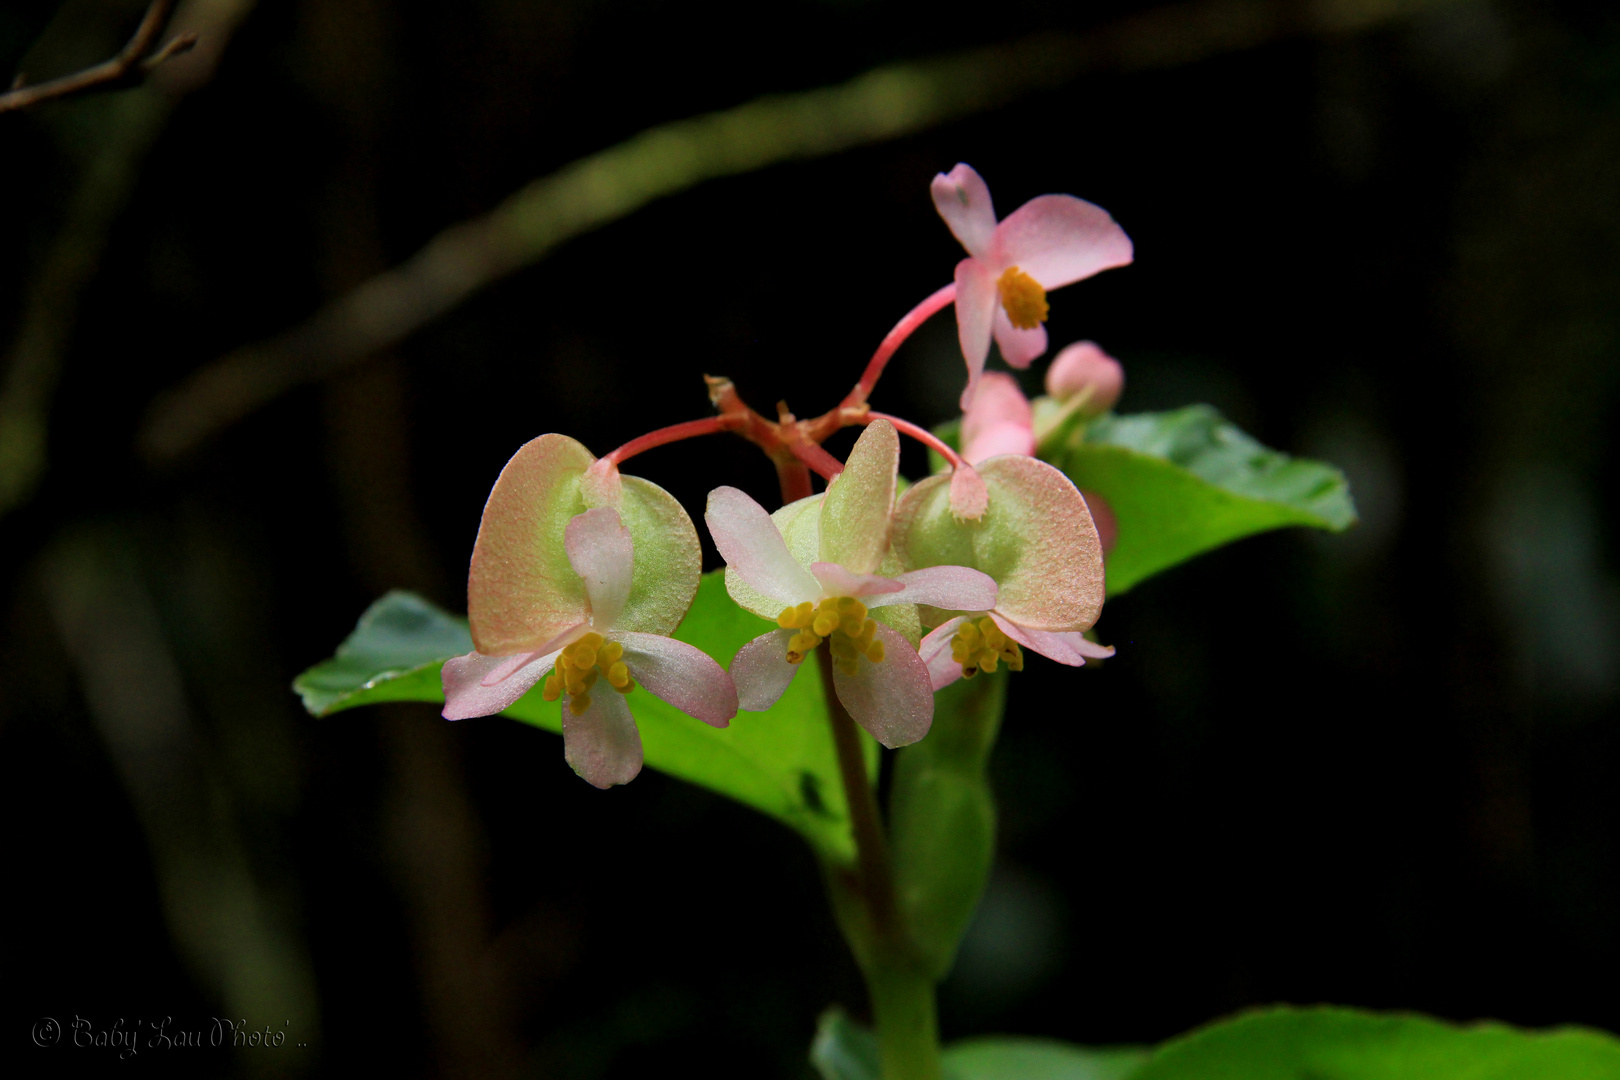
column 902, row 991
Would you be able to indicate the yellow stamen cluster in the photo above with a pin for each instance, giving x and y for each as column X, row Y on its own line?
column 980, row 646
column 842, row 620
column 1023, row 298
column 580, row 665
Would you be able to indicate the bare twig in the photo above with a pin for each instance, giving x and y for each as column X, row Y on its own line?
column 134, row 61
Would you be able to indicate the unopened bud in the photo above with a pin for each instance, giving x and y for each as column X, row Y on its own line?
column 1083, row 368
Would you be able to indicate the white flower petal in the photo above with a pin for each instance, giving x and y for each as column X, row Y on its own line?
column 893, row 700
column 680, row 674
column 600, row 551
column 602, row 744
column 761, row 671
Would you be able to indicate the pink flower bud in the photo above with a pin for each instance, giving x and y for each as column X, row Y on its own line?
column 1083, row 368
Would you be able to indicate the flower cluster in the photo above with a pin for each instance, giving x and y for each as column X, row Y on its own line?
column 580, row 575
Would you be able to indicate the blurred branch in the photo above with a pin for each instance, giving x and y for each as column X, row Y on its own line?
column 885, row 103
column 131, row 125
column 135, row 60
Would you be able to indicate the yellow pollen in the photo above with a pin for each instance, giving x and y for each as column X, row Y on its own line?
column 841, row 622
column 979, row 645
column 1023, row 298
column 580, row 665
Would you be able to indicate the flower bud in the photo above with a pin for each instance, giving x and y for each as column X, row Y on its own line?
column 1083, row 368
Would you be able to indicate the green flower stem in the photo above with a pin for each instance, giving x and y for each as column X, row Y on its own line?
column 900, row 987
column 942, row 819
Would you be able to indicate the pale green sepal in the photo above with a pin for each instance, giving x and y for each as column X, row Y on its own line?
column 855, row 515
column 1036, row 539
column 668, row 559
column 521, row 590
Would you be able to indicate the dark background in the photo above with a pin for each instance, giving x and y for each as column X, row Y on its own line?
column 1373, row 769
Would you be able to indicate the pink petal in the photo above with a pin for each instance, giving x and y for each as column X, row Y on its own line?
column 761, row 671
column 600, row 551
column 521, row 591
column 602, row 743
column 466, row 695
column 999, row 401
column 1018, row 347
column 935, row 652
column 1059, row 239
column 501, row 671
column 894, row 700
column 751, row 545
column 976, row 306
column 999, row 439
column 1066, row 648
column 963, row 200
column 836, row 581
column 856, row 510
column 952, row 588
column 682, row 675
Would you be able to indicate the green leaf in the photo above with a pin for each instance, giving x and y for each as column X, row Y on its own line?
column 1181, row 483
column 845, row 1050
column 779, row 762
column 1040, row 1059
column 1345, row 1044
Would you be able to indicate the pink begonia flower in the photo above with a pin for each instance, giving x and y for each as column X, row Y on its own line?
column 999, row 421
column 585, row 596
column 1083, row 368
column 1001, row 288
column 812, row 568
column 1036, row 540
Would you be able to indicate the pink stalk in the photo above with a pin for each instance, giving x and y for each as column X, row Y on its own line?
column 674, row 433
column 922, row 435
column 821, row 463
column 894, row 339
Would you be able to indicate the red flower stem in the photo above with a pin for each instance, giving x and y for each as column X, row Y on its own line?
column 821, row 463
column 895, row 338
column 922, row 435
column 674, row 433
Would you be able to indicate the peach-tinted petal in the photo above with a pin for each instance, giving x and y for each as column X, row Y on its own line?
column 951, row 588
column 1018, row 347
column 521, row 592
column 761, row 671
column 837, row 581
column 893, row 700
column 1070, row 648
column 756, row 553
column 976, row 306
column 680, row 674
column 1059, row 239
column 935, row 652
column 963, row 200
column 602, row 743
column 600, row 551
column 855, row 512
column 465, row 694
